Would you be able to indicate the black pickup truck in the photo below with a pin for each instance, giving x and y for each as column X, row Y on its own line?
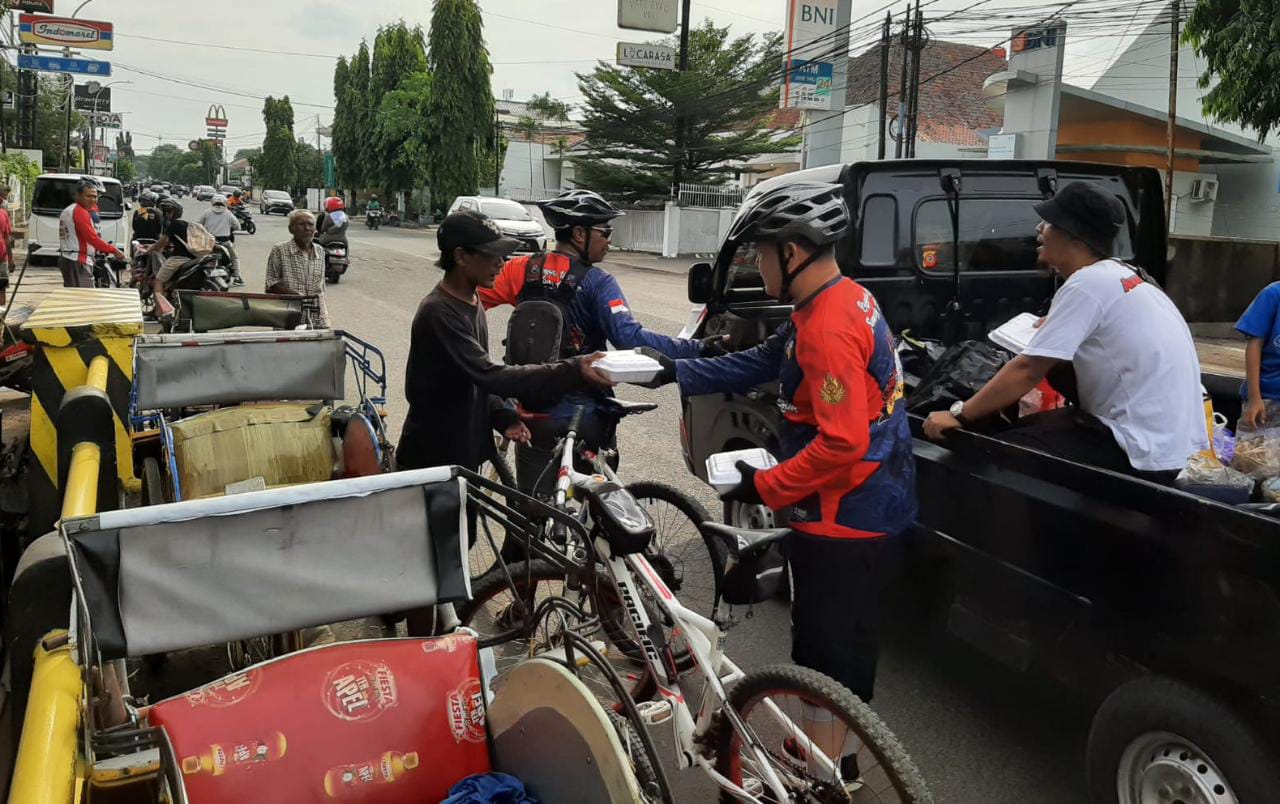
column 1160, row 606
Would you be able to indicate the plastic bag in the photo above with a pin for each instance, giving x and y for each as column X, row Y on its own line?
column 957, row 375
column 1208, row 477
column 1224, row 441
column 1257, row 452
column 1271, row 490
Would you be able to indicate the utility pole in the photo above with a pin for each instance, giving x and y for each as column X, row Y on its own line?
column 497, row 154
column 677, row 173
column 916, row 50
column 902, row 91
column 1173, row 112
column 884, row 79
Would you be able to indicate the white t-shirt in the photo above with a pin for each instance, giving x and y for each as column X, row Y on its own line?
column 1135, row 362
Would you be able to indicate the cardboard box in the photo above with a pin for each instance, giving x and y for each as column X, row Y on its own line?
column 283, row 443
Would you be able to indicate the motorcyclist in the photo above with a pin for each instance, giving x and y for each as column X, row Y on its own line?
column 146, row 219
column 169, row 253
column 223, row 225
column 847, row 469
column 373, row 206
column 332, row 226
column 597, row 310
column 236, row 200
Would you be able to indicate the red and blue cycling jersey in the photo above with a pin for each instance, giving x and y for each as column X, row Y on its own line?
column 598, row 315
column 846, row 466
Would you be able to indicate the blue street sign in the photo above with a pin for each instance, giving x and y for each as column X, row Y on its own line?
column 57, row 64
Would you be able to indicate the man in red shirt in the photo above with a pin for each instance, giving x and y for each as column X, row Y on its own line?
column 79, row 240
column 6, row 242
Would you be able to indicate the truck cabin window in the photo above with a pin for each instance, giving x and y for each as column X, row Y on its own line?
column 744, row 269
column 996, row 234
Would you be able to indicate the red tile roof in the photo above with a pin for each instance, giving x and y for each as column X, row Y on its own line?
column 952, row 108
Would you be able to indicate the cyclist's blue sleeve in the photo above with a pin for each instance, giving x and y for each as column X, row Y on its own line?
column 611, row 311
column 738, row 372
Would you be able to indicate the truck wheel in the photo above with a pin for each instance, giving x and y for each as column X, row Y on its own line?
column 1156, row 739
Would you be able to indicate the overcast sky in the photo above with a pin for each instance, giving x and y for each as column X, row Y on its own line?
column 534, row 47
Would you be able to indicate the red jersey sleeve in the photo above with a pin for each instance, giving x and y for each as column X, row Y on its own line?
column 85, row 232
column 834, row 363
column 506, row 288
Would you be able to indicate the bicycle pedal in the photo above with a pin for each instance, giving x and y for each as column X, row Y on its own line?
column 655, row 712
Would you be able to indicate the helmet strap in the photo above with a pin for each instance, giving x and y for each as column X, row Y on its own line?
column 785, row 292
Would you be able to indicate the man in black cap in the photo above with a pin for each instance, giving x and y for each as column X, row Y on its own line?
column 457, row 394
column 1137, row 375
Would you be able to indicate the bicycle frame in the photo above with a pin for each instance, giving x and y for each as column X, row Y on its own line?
column 704, row 638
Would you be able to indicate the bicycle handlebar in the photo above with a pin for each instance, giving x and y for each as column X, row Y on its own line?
column 576, row 421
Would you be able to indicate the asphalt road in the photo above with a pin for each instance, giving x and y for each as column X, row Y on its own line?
column 979, row 733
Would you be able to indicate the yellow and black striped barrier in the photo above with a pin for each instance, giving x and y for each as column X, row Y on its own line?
column 70, row 328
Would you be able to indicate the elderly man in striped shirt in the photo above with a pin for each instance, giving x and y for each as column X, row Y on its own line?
column 297, row 266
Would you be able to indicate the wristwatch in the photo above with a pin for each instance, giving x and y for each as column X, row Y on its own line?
column 957, row 411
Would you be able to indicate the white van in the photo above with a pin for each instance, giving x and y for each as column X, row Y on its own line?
column 53, row 193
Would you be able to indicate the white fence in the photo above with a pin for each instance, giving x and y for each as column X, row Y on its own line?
column 712, row 196
column 640, row 230
column 672, row 231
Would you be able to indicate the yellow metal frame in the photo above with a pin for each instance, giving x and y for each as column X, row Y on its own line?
column 49, row 768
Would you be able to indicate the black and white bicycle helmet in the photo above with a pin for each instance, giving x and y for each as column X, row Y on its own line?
column 809, row 210
column 168, row 205
column 577, row 208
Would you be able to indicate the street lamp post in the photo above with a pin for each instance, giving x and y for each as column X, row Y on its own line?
column 93, row 115
column 71, row 92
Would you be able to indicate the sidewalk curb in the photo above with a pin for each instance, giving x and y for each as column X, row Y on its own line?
column 650, row 269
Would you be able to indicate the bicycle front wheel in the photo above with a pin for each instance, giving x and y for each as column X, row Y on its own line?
column 688, row 560
column 801, row 718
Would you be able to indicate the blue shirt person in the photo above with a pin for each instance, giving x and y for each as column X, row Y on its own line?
column 1261, row 325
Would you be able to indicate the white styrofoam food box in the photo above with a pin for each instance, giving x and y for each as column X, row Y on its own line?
column 628, row 366
column 722, row 468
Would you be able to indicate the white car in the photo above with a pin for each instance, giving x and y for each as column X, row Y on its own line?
column 512, row 218
column 55, row 192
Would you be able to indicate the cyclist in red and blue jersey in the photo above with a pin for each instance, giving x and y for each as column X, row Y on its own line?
column 846, row 468
column 597, row 315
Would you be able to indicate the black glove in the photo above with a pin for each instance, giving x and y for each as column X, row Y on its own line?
column 714, row 346
column 745, row 491
column 668, row 373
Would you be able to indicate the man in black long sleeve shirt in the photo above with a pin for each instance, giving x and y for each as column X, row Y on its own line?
column 457, row 394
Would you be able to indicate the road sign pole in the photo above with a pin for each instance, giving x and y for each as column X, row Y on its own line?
column 71, row 92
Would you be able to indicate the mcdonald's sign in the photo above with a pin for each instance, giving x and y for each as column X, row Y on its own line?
column 217, row 117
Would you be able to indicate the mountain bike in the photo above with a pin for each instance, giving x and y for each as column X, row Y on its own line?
column 780, row 733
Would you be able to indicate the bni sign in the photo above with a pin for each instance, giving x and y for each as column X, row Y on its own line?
column 657, row 57
column 810, row 39
column 648, row 15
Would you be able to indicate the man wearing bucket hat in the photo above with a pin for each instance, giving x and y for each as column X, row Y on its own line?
column 1138, row 378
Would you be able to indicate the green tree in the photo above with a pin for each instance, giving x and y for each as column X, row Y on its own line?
column 345, row 142
column 356, row 171
column 548, row 109
column 1240, row 41
column 403, row 132
column 461, row 111
column 125, row 170
column 310, row 164
column 278, row 165
column 165, row 162
column 398, row 53
column 210, row 161
column 51, row 115
column 631, row 113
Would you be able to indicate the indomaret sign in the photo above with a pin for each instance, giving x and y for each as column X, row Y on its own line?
column 65, row 32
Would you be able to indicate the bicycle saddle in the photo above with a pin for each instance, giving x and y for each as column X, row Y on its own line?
column 621, row 407
column 745, row 542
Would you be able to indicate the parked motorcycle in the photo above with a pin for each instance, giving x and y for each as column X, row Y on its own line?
column 336, row 262
column 208, row 273
column 373, row 218
column 106, row 270
column 245, row 217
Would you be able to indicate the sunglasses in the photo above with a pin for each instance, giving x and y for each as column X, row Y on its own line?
column 607, row 231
